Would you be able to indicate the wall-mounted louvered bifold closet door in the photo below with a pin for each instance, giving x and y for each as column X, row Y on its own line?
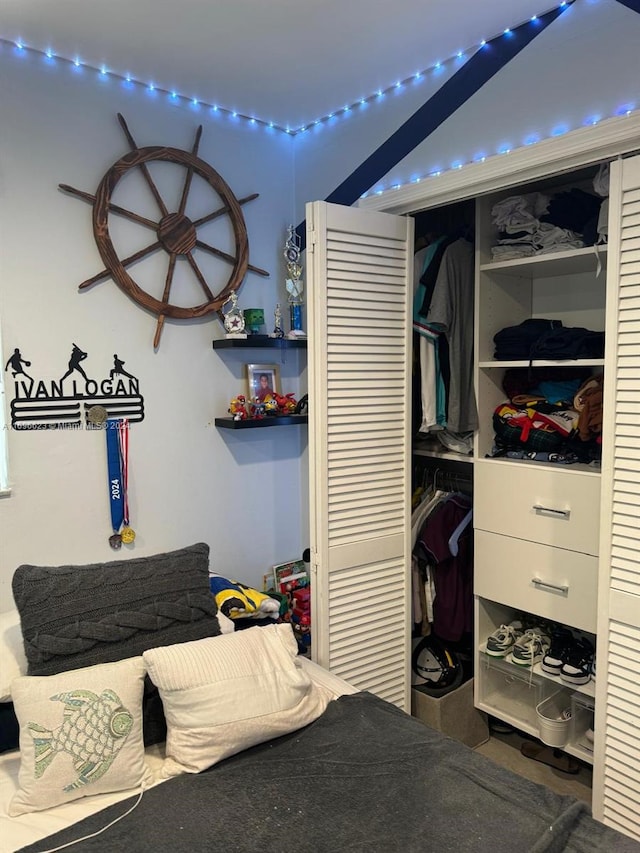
column 359, row 289
column 617, row 753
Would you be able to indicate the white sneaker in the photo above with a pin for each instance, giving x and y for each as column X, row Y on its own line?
column 503, row 639
column 530, row 647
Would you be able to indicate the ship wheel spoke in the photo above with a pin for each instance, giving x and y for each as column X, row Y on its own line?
column 113, row 208
column 200, row 277
column 226, row 257
column 165, row 298
column 222, row 210
column 137, row 256
column 143, row 168
column 189, row 175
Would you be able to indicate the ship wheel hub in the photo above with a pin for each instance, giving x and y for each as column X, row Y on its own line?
column 177, row 234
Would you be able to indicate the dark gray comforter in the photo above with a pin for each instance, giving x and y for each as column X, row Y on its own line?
column 363, row 777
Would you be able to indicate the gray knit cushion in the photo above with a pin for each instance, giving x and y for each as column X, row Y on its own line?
column 76, row 616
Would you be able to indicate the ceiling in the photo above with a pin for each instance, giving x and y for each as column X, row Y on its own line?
column 284, row 61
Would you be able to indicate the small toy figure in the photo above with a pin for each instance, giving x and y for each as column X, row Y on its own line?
column 286, row 403
column 257, row 408
column 270, row 406
column 238, row 408
column 302, row 630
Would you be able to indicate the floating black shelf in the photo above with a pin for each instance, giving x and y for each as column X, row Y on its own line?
column 259, row 423
column 260, row 342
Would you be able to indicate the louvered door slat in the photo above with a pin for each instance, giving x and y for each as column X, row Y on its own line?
column 617, row 750
column 359, row 284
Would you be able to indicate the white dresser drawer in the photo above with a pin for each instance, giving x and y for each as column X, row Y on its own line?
column 548, row 506
column 549, row 582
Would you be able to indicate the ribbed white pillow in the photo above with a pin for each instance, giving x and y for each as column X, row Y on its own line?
column 224, row 694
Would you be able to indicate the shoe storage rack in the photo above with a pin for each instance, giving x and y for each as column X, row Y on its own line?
column 511, row 692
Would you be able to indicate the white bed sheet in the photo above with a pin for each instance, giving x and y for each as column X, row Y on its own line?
column 17, row 832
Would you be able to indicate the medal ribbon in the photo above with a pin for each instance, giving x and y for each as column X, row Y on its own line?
column 116, row 494
column 123, row 444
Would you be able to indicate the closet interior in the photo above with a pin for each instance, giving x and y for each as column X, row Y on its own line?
column 523, row 334
column 442, row 469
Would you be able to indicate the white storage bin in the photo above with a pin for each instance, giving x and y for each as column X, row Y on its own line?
column 510, row 692
column 554, row 718
column 582, row 713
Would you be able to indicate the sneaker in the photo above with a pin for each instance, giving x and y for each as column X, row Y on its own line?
column 577, row 667
column 503, row 639
column 531, row 647
column 562, row 641
column 593, row 668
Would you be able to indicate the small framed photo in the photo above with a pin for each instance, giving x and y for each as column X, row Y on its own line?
column 263, row 381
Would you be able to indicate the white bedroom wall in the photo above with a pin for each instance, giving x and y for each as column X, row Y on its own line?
column 238, row 491
column 583, row 66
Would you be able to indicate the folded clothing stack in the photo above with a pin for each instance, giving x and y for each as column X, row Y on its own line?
column 535, row 224
column 546, row 339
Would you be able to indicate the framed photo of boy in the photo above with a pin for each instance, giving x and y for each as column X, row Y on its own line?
column 263, row 381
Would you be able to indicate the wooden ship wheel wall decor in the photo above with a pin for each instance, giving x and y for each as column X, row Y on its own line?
column 175, row 233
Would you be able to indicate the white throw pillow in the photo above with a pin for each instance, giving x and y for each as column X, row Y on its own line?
column 224, row 694
column 12, row 657
column 80, row 734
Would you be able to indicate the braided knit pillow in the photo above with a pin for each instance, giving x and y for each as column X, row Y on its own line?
column 78, row 616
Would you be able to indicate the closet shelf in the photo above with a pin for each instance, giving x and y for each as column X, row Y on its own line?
column 555, row 264
column 259, row 342
column 588, row 689
column 261, row 423
column 435, row 452
column 539, row 362
column 581, row 468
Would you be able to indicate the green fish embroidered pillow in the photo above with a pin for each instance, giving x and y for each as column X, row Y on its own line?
column 80, row 734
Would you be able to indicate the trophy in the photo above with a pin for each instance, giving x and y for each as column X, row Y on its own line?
column 294, row 284
column 233, row 318
column 278, row 331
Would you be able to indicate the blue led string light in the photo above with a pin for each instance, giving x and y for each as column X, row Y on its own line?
column 345, row 111
column 592, row 121
column 151, row 87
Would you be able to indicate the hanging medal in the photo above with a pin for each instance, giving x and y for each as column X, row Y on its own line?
column 127, row 533
column 116, row 496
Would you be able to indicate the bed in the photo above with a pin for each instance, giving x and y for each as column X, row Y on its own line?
column 264, row 749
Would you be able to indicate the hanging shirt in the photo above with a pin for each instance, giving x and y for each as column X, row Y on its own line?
column 432, row 390
column 451, row 311
column 453, row 575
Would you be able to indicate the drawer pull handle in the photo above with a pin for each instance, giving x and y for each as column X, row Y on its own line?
column 540, row 582
column 565, row 513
